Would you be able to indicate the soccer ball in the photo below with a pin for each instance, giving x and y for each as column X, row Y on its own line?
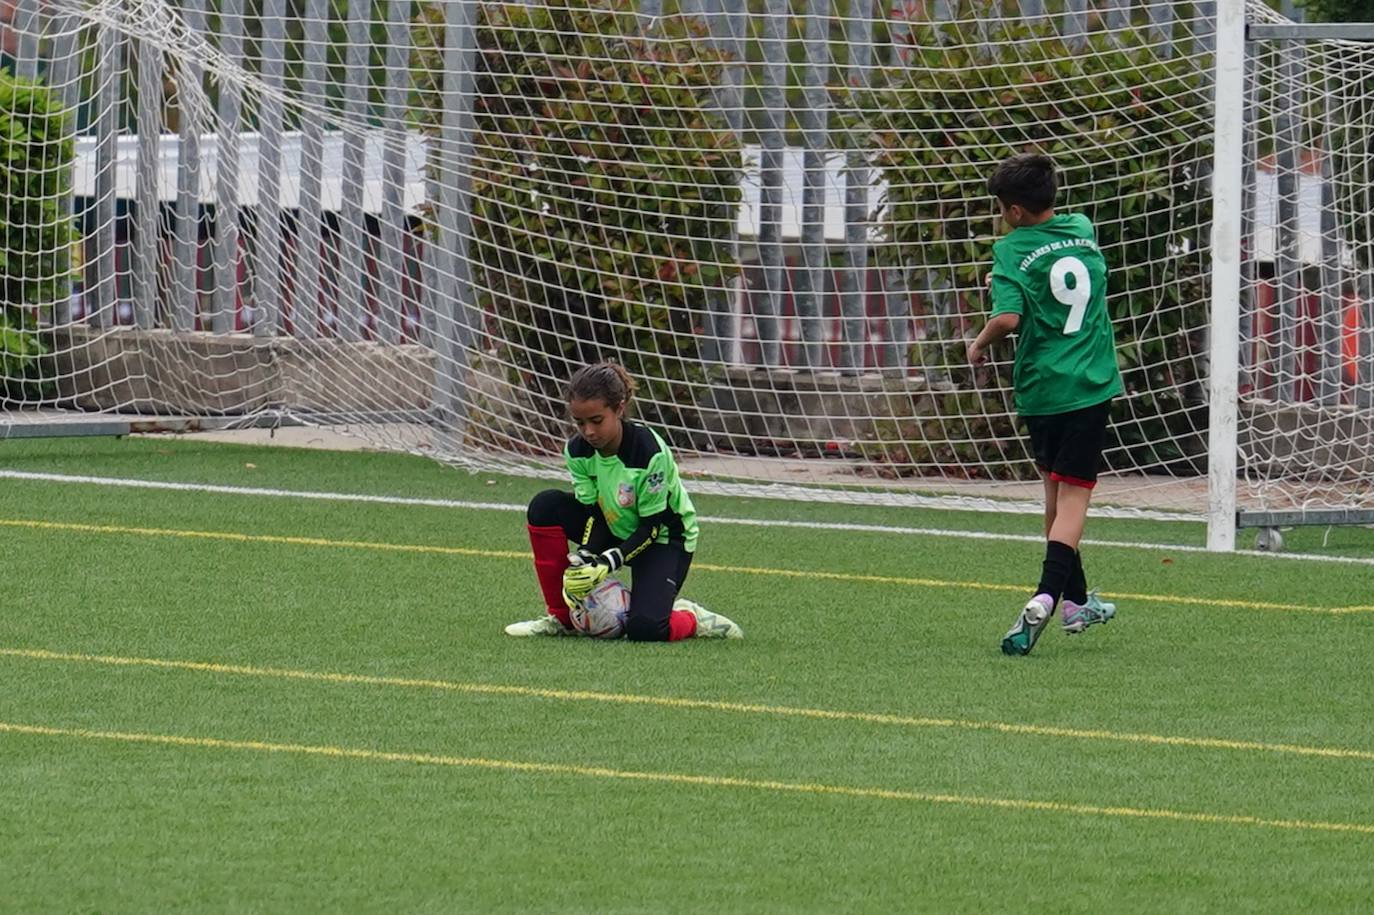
column 601, row 614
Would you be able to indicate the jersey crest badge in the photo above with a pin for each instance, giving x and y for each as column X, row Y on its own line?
column 625, row 495
column 655, row 482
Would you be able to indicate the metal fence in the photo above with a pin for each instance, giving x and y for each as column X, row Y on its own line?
column 258, row 249
column 1306, row 326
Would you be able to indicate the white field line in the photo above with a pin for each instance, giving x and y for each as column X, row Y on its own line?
column 946, row 502
column 746, row 522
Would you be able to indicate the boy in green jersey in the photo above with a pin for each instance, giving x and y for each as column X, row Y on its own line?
column 627, row 508
column 1049, row 284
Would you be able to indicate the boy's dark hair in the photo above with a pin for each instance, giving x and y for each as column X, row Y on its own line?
column 606, row 381
column 1026, row 179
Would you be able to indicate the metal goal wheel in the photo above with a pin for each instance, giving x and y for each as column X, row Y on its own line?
column 1269, row 540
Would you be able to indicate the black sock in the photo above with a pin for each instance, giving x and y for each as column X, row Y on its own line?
column 1059, row 563
column 1076, row 588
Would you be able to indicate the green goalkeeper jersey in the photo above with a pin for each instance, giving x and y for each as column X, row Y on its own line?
column 1054, row 276
column 638, row 483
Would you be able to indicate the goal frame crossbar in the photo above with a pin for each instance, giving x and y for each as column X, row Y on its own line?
column 1310, row 31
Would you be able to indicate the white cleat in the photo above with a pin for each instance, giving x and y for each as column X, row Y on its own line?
column 709, row 625
column 1022, row 636
column 545, row 625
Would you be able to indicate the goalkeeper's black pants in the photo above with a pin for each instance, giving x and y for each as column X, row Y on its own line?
column 657, row 573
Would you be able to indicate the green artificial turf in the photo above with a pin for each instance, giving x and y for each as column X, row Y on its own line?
column 740, row 802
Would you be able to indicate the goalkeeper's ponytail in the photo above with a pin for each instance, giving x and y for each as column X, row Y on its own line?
column 606, row 380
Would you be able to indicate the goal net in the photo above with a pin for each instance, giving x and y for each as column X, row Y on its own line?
column 414, row 220
column 1306, row 389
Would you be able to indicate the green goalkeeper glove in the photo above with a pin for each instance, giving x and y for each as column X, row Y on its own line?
column 586, row 570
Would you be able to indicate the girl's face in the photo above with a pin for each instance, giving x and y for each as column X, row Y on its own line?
column 598, row 423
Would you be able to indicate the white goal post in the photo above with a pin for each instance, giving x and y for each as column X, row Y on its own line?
column 1228, row 207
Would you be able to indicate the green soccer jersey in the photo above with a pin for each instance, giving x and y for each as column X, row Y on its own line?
column 639, row 481
column 1054, row 276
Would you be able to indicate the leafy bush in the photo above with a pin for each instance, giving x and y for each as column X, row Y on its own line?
column 37, row 151
column 1338, row 10
column 604, row 190
column 1130, row 133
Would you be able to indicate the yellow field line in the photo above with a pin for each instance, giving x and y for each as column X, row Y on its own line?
column 677, row 778
column 744, row 708
column 258, row 538
column 708, row 567
column 1017, row 589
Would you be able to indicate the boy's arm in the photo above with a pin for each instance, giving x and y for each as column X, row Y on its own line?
column 1007, row 305
column 998, row 326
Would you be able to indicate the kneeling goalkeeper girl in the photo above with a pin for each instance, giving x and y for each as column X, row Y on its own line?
column 627, row 508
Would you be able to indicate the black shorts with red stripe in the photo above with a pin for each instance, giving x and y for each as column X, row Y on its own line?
column 1068, row 446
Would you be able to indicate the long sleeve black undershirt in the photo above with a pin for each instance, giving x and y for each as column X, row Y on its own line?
column 645, row 534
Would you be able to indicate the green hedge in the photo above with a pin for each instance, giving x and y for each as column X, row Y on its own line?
column 1131, row 132
column 604, row 193
column 37, row 151
column 1337, row 10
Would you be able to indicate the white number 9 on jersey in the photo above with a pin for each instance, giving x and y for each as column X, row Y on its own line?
column 1077, row 296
